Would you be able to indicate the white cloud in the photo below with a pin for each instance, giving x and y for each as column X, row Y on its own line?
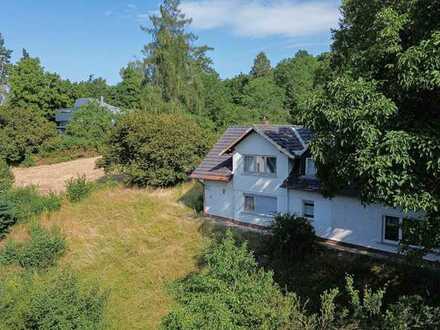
column 256, row 18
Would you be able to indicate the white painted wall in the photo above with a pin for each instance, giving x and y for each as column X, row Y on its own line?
column 244, row 183
column 219, row 199
column 345, row 219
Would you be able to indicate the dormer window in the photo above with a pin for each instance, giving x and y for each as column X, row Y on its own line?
column 260, row 165
column 310, row 167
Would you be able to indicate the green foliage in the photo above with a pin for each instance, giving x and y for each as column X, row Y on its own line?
column 292, row 237
column 40, row 251
column 78, row 189
column 50, row 301
column 229, row 293
column 8, row 215
column 29, row 202
column 33, row 88
column 174, row 63
column 156, row 149
column 129, row 91
column 393, row 48
column 232, row 292
column 6, row 177
column 261, row 67
column 89, row 126
column 263, row 95
column 23, row 132
column 297, row 77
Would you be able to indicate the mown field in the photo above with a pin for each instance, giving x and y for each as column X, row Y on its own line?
column 134, row 243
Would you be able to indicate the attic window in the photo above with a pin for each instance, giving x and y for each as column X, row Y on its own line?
column 260, row 165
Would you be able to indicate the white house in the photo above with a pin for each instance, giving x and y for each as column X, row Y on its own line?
column 254, row 172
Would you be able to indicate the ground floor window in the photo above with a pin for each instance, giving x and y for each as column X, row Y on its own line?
column 309, row 209
column 263, row 205
column 396, row 228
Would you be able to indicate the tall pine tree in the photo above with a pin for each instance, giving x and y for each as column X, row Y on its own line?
column 173, row 63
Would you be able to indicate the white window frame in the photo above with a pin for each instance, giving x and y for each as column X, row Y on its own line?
column 257, row 172
column 304, row 202
column 254, row 212
column 309, row 159
column 401, row 218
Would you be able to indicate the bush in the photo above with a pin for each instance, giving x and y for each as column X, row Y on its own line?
column 156, row 149
column 231, row 292
column 78, row 189
column 89, row 125
column 50, row 301
column 292, row 237
column 22, row 133
column 40, row 251
column 29, row 202
column 8, row 215
column 6, row 177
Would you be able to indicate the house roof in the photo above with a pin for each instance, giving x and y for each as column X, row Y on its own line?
column 217, row 165
column 286, row 138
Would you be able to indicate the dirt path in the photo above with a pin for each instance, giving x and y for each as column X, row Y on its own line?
column 53, row 177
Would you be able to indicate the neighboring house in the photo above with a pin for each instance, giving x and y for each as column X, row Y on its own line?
column 64, row 116
column 252, row 173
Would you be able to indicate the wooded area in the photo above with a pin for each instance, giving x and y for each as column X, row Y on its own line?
column 372, row 101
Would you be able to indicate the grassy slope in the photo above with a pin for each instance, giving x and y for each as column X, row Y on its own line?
column 134, row 242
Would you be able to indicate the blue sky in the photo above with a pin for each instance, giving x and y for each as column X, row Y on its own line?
column 82, row 37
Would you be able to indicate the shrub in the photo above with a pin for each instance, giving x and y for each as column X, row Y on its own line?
column 156, row 149
column 29, row 202
column 78, row 189
column 6, row 177
column 8, row 215
column 40, row 251
column 89, row 125
column 22, row 133
column 50, row 301
column 292, row 237
column 231, row 292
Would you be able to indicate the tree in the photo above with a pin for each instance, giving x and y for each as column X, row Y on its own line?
column 261, row 66
column 297, row 77
column 32, row 87
column 173, row 62
column 90, row 125
column 23, row 134
column 6, row 177
column 380, row 115
column 128, row 92
column 156, row 149
column 94, row 88
column 263, row 95
column 5, row 57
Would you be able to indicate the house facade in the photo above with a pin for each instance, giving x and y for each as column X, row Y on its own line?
column 253, row 173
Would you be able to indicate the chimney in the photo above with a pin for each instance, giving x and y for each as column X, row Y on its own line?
column 265, row 122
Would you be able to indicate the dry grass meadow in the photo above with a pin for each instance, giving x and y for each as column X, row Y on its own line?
column 134, row 243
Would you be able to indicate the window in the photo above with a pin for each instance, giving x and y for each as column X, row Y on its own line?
column 391, row 229
column 310, row 167
column 396, row 229
column 260, row 165
column 309, row 209
column 263, row 205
